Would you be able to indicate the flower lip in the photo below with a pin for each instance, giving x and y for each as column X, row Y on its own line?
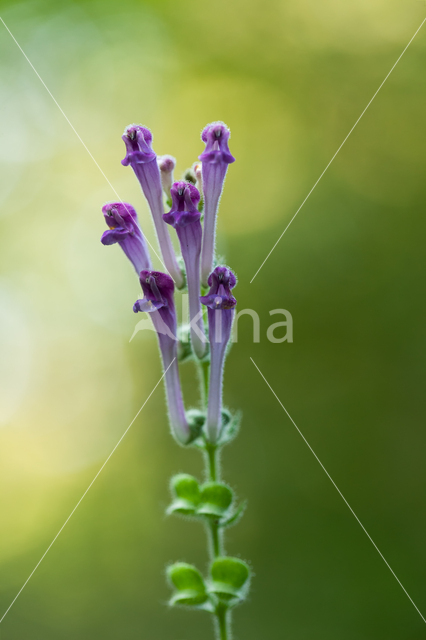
column 188, row 190
column 138, row 141
column 221, row 281
column 157, row 288
column 216, row 136
column 185, row 198
column 222, row 275
column 119, row 214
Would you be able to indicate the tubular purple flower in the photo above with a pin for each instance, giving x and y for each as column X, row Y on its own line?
column 125, row 230
column 215, row 159
column 185, row 218
column 166, row 164
column 158, row 301
column 143, row 160
column 220, row 303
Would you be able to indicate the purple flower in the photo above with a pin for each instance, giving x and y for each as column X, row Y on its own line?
column 124, row 228
column 215, row 159
column 166, row 164
column 185, row 218
column 143, row 160
column 220, row 303
column 158, row 301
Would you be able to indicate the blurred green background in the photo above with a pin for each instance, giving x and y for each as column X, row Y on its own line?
column 290, row 79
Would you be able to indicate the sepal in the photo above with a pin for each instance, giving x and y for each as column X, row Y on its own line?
column 230, row 426
column 216, row 500
column 196, row 420
column 230, row 578
column 235, row 517
column 190, row 588
column 186, row 493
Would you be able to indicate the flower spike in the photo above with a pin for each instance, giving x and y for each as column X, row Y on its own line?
column 220, row 303
column 124, row 229
column 185, row 218
column 143, row 160
column 214, row 160
column 158, row 301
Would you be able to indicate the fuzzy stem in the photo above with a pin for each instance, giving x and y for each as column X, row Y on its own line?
column 213, row 471
column 222, row 613
column 223, row 619
column 215, row 539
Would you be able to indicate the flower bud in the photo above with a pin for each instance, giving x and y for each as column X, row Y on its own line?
column 198, row 172
column 189, row 176
column 166, row 164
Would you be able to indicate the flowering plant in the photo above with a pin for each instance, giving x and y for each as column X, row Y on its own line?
column 193, row 204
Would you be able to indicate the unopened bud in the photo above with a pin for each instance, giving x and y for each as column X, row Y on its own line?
column 166, row 164
column 189, row 176
column 197, row 169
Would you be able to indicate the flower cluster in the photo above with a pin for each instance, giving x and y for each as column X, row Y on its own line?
column 197, row 241
column 192, row 211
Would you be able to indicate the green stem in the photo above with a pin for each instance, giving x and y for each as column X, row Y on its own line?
column 213, row 471
column 223, row 620
column 216, row 546
column 215, row 539
column 213, row 525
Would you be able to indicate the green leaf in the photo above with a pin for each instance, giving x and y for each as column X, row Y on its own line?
column 189, row 585
column 230, row 578
column 216, row 498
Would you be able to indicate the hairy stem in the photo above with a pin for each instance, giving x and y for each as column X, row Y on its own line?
column 223, row 618
column 223, row 615
column 213, row 471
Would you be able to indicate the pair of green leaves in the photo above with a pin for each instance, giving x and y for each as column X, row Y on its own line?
column 209, row 500
column 228, row 583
